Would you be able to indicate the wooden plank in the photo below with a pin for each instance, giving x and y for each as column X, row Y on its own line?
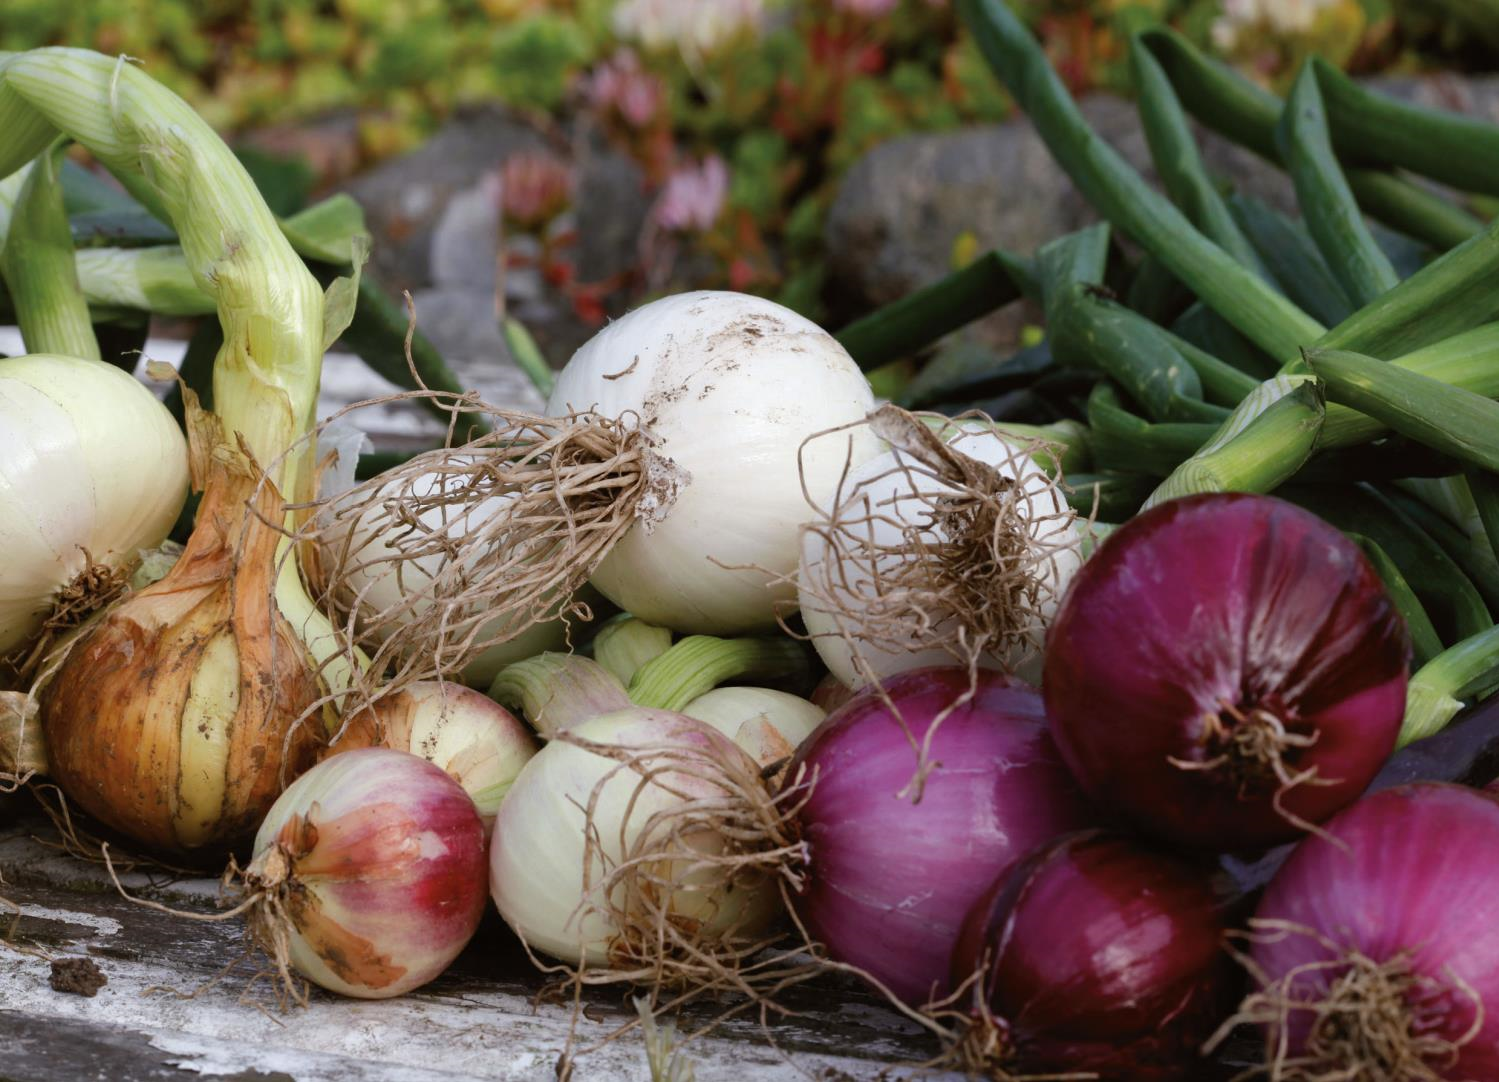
column 481, row 1020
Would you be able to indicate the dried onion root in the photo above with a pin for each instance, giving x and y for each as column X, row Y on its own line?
column 952, row 548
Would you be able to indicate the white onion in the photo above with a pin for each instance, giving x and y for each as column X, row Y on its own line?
column 538, row 854
column 730, row 385
column 381, row 581
column 766, row 723
column 906, row 497
column 91, row 462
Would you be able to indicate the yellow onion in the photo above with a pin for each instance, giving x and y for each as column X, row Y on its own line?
column 178, row 716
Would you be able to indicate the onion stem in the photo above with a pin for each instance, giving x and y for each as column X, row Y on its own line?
column 1469, row 670
column 38, row 266
column 1327, row 203
column 1265, row 453
column 625, row 643
column 556, row 691
column 527, row 355
column 1122, row 196
column 699, row 663
column 918, row 319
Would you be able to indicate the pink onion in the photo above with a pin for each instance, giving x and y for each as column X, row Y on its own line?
column 1099, row 956
column 1398, row 907
column 371, row 873
column 1225, row 669
column 887, row 881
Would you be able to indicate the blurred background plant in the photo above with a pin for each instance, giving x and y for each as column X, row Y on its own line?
column 742, row 113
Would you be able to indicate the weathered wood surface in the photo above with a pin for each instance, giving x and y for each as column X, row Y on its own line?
column 481, row 1020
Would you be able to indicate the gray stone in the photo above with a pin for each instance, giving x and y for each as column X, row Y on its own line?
column 405, row 198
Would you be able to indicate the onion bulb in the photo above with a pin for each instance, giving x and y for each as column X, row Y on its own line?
column 950, row 548
column 1226, row 669
column 728, row 386
column 92, row 469
column 889, row 881
column 480, row 744
column 368, row 874
column 1376, row 946
column 768, row 724
column 1099, row 956
column 640, row 841
column 395, row 591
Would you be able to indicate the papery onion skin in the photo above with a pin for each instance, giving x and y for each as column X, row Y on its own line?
column 387, row 858
column 180, row 715
column 91, row 466
column 1403, row 871
column 1225, row 598
column 1099, row 955
column 729, row 385
column 889, row 882
column 480, row 744
column 537, row 859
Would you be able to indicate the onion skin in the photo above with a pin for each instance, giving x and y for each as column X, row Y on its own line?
column 1410, row 872
column 386, row 867
column 480, row 744
column 888, row 883
column 1103, row 957
column 1225, row 598
column 167, row 721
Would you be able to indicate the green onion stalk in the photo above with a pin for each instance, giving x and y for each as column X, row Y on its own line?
column 1439, row 690
column 178, row 716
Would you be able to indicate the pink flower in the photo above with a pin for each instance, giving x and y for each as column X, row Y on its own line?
column 694, row 196
column 534, row 188
column 693, row 26
column 620, row 84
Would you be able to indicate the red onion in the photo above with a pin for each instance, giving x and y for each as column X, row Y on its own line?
column 1378, row 946
column 1225, row 669
column 888, row 881
column 370, row 873
column 1099, row 956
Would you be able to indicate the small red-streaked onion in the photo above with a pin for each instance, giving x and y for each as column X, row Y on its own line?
column 767, row 723
column 1380, row 939
column 1100, row 956
column 477, row 741
column 1225, row 669
column 583, row 807
column 370, row 869
column 888, row 881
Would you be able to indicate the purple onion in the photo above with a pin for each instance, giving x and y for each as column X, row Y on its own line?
column 1226, row 669
column 1399, row 904
column 888, row 882
column 1099, row 955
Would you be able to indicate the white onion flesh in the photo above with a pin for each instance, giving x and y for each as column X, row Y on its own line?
column 91, row 466
column 908, row 498
column 729, row 385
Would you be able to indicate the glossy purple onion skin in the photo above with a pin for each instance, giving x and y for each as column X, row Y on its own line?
column 888, row 882
column 1104, row 957
column 1415, row 872
column 1234, row 597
